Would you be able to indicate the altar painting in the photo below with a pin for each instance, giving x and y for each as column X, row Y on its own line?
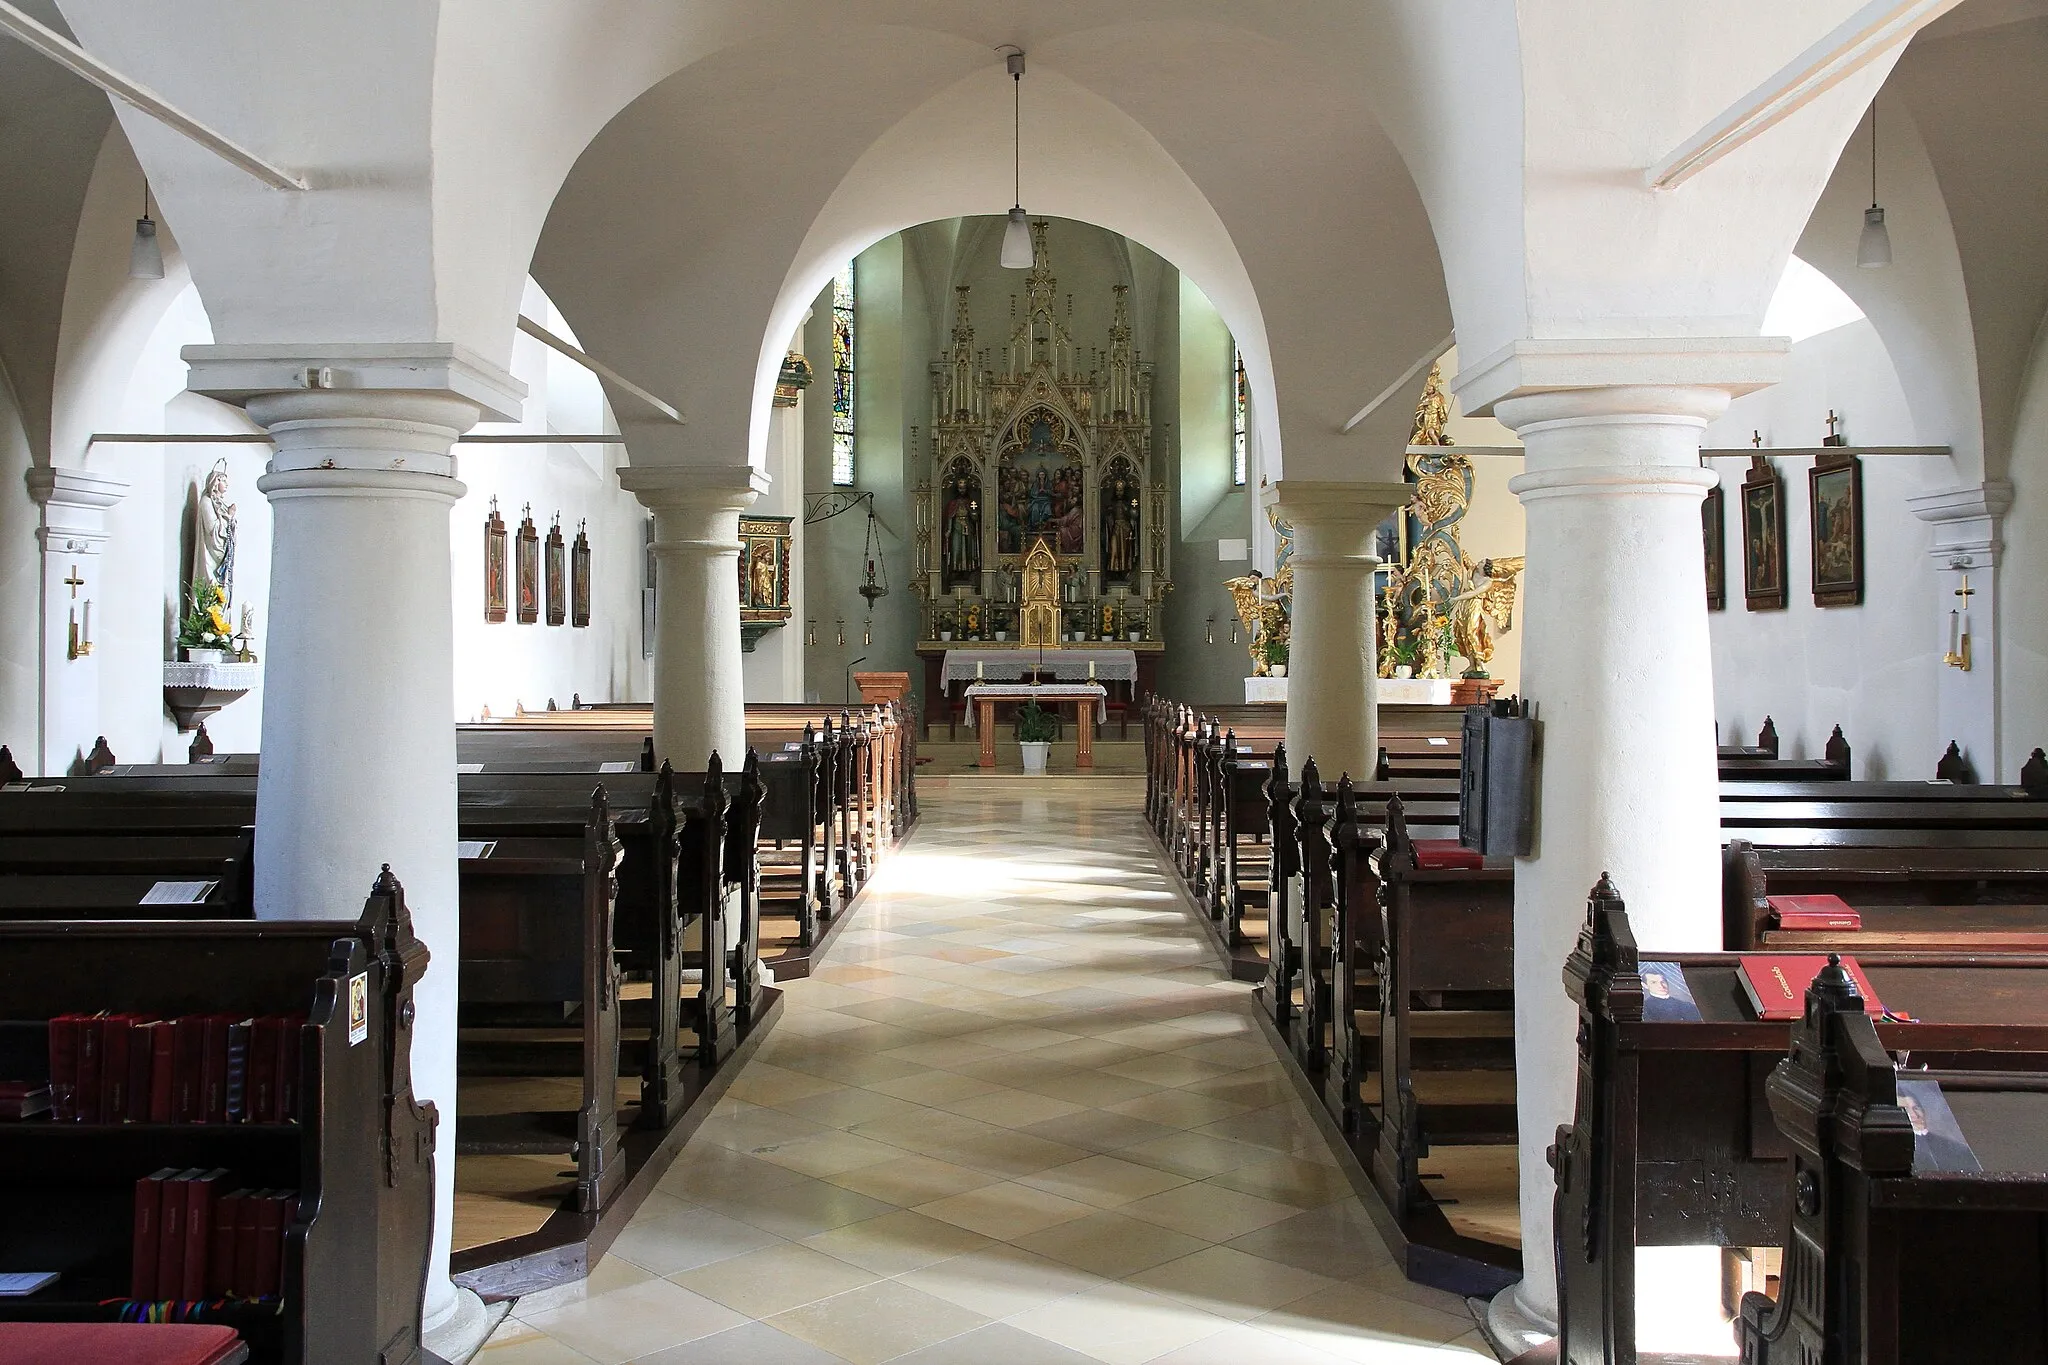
column 1041, row 488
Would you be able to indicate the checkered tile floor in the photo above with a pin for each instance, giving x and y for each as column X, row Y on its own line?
column 1020, row 1118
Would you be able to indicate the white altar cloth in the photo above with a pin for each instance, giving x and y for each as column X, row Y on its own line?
column 1066, row 663
column 1041, row 692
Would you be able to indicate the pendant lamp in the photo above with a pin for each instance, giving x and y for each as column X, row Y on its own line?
column 1874, row 247
column 1017, row 252
column 145, row 253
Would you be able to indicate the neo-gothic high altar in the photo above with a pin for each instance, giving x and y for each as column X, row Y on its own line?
column 1042, row 450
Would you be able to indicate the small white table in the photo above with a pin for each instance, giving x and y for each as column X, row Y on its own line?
column 982, row 697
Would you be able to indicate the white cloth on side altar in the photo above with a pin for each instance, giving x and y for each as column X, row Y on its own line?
column 1042, row 692
column 1066, row 663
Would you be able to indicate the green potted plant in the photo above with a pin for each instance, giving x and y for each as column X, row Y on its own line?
column 1276, row 658
column 1035, row 730
column 204, row 633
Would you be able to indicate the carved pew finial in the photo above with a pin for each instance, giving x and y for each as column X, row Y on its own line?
column 1953, row 766
column 1837, row 751
column 1767, row 738
column 2033, row 773
column 10, row 771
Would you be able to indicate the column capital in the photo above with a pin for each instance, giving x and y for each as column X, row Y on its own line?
column 1532, row 366
column 1966, row 523
column 1330, row 502
column 237, row 374
column 694, row 487
column 73, row 504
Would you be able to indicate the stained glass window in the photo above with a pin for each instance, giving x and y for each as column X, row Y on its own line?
column 1239, row 395
column 842, row 378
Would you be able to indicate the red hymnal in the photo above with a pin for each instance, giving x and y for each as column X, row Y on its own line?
column 1776, row 983
column 265, row 1038
column 270, row 1218
column 1813, row 912
column 188, row 1070
column 170, row 1236
column 213, row 1085
column 149, row 1199
column 64, row 1031
column 201, row 1194
column 226, row 1241
column 89, row 1097
column 288, row 1068
column 141, row 1063
column 1435, row 854
column 163, row 1087
column 117, row 1035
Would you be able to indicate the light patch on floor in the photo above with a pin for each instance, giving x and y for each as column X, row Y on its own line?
column 1021, row 1116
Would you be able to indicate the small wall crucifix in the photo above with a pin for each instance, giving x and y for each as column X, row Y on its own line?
column 1834, row 437
column 75, row 581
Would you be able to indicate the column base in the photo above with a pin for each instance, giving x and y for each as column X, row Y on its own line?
column 1511, row 1327
column 460, row 1330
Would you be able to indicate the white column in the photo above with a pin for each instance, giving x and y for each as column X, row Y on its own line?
column 1615, row 659
column 358, row 716
column 699, row 690
column 1966, row 545
column 73, row 506
column 1332, row 673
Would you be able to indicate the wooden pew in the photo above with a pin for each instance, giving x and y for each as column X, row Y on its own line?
column 359, row 1153
column 1882, row 1264
column 1672, row 1142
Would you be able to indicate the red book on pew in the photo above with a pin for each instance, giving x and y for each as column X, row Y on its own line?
column 289, row 1042
column 170, row 1236
column 90, row 1036
column 141, row 1068
column 64, row 1031
column 271, row 1212
column 202, row 1192
column 265, row 1037
column 149, row 1202
column 163, row 1083
column 1776, row 983
column 117, row 1035
column 220, row 1254
column 247, row 1214
column 1813, row 912
column 1438, row 854
column 188, row 1070
column 213, row 1085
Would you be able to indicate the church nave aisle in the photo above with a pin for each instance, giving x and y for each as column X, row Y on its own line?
column 1021, row 1116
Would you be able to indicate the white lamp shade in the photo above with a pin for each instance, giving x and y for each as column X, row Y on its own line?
column 1874, row 247
column 1017, row 241
column 145, row 254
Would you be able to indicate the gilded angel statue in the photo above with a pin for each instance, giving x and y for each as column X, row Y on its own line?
column 1262, row 610
column 1487, row 605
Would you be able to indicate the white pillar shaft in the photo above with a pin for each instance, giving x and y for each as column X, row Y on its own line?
column 1332, row 676
column 700, row 702
column 699, row 693
column 358, row 736
column 1615, row 658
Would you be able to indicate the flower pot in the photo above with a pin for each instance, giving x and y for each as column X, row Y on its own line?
column 1002, row 635
column 1035, row 753
column 1137, row 635
column 945, row 635
column 1276, row 670
column 205, row 656
column 1404, row 670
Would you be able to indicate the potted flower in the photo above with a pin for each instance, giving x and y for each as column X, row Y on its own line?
column 1035, row 730
column 1276, row 658
column 204, row 633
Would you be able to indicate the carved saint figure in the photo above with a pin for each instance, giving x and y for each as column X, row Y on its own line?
column 213, row 534
column 763, row 571
column 963, row 531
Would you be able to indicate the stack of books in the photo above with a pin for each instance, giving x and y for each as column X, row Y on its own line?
column 198, row 1068
column 199, row 1236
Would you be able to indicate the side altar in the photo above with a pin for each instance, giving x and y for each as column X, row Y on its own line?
column 1039, row 513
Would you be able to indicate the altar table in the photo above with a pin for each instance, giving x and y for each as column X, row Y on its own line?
column 1069, row 663
column 983, row 696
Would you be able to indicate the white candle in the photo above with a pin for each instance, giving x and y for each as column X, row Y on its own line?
column 977, row 670
column 85, row 627
column 1091, row 670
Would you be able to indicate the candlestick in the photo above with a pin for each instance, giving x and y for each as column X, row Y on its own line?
column 1091, row 670
column 977, row 670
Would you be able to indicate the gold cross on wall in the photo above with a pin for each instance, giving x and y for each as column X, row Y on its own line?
column 1966, row 592
column 1833, row 421
column 75, row 581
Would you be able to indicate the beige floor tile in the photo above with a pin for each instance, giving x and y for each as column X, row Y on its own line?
column 1002, row 1280
column 1210, row 1211
column 663, row 1246
column 1011, row 1108
column 1168, row 1068
column 759, row 1084
column 612, row 1272
column 635, row 1321
column 1120, row 1324
column 774, row 1279
column 897, row 1243
column 1006, row 1211
column 796, row 1211
column 829, row 1153
column 1196, row 1155
column 1100, row 1130
column 1288, row 1180
column 1021, row 1038
column 877, row 1323
column 926, row 1130
column 928, row 1087
column 515, row 1343
column 849, row 1105
column 1232, row 1284
column 1248, row 1345
column 1111, row 1245
column 1178, row 1109
column 1008, row 1153
column 1104, row 1181
column 710, row 1171
column 1354, row 1323
column 912, row 1180
column 1093, row 1089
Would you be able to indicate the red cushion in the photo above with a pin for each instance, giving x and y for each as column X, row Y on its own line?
column 131, row 1343
column 1435, row 854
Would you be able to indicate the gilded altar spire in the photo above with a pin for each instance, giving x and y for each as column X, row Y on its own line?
column 1432, row 412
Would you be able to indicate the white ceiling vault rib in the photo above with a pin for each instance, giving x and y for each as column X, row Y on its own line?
column 75, row 59
column 1424, row 361
column 1873, row 30
column 596, row 367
